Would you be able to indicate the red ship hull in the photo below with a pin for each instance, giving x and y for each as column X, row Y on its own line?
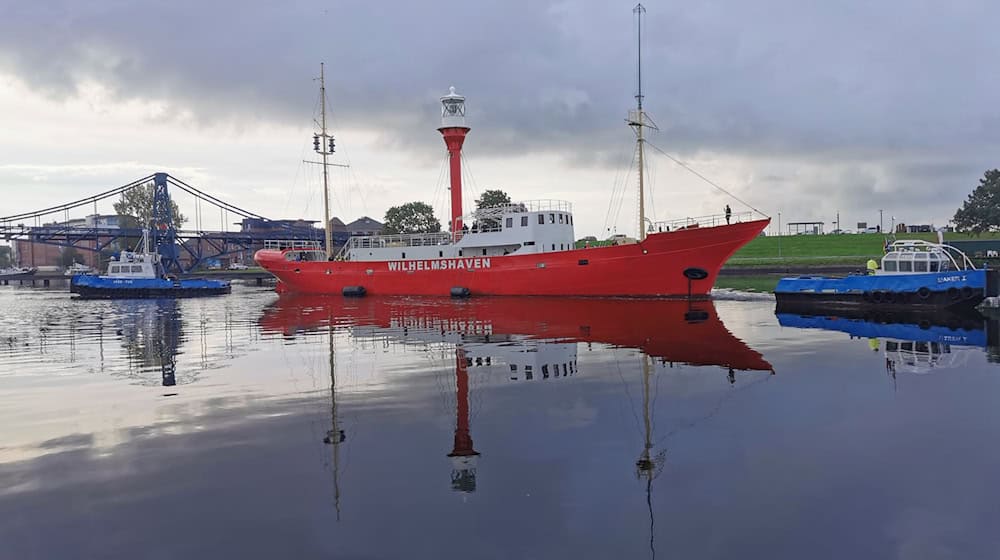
column 651, row 268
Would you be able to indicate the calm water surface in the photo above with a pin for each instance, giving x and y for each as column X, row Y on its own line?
column 253, row 426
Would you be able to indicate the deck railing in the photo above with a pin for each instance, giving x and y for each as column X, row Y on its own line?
column 402, row 240
column 701, row 221
column 300, row 244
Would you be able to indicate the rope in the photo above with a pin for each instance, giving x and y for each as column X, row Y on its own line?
column 706, row 179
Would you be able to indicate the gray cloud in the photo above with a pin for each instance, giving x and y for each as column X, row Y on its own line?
column 871, row 89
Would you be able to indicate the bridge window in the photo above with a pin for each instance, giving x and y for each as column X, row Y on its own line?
column 524, row 221
column 920, row 266
column 553, row 246
column 905, row 266
column 560, row 218
column 404, row 255
column 552, row 218
column 484, row 252
column 136, row 268
column 545, row 371
column 510, row 222
column 115, row 270
column 541, row 219
column 889, row 266
column 570, row 218
column 934, row 266
column 526, row 243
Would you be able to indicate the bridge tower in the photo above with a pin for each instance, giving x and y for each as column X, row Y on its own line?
column 164, row 235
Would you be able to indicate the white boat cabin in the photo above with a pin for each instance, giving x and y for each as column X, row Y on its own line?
column 918, row 257
column 135, row 265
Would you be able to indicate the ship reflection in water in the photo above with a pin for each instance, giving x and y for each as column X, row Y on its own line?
column 331, row 427
column 536, row 339
column 923, row 343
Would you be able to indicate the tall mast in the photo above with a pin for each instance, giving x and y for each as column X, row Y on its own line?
column 323, row 145
column 638, row 120
column 326, row 172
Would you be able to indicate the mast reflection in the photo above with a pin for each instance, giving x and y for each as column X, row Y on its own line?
column 535, row 337
column 151, row 332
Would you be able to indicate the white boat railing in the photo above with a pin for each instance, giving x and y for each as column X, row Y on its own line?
column 959, row 259
column 401, row 240
column 300, row 244
column 701, row 221
column 546, row 205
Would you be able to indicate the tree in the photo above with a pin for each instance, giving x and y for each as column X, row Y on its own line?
column 138, row 202
column 981, row 211
column 69, row 256
column 492, row 198
column 412, row 217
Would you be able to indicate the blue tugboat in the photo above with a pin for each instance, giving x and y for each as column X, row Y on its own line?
column 915, row 276
column 141, row 275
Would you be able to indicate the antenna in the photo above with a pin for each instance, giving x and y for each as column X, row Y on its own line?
column 638, row 120
column 638, row 11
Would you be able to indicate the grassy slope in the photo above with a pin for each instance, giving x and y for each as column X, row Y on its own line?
column 826, row 249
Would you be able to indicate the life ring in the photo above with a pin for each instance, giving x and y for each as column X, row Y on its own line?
column 953, row 293
column 877, row 296
column 967, row 292
column 924, row 292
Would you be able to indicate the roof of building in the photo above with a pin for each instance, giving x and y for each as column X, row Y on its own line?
column 364, row 223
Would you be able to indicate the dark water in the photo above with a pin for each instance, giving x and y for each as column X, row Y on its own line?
column 250, row 426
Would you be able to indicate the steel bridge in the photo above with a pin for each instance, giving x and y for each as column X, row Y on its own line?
column 171, row 243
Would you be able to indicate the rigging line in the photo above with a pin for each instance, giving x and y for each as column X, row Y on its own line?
column 706, row 179
column 714, row 411
column 614, row 185
column 438, row 184
column 621, row 201
column 620, row 181
column 652, row 186
column 467, row 171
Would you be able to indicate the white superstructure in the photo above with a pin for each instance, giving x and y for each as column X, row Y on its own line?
column 537, row 226
column 916, row 257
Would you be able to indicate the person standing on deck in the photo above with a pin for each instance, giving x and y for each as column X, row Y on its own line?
column 872, row 266
column 729, row 213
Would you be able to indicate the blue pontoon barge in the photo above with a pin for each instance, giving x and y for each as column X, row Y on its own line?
column 915, row 275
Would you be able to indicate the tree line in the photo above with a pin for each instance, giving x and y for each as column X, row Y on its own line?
column 418, row 217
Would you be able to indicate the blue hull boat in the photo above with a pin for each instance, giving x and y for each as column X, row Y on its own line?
column 914, row 276
column 135, row 274
column 109, row 287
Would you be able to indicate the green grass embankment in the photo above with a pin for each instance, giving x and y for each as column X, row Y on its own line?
column 819, row 250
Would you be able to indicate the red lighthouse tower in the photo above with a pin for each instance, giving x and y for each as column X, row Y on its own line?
column 454, row 130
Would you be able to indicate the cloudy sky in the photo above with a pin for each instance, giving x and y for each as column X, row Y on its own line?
column 805, row 108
